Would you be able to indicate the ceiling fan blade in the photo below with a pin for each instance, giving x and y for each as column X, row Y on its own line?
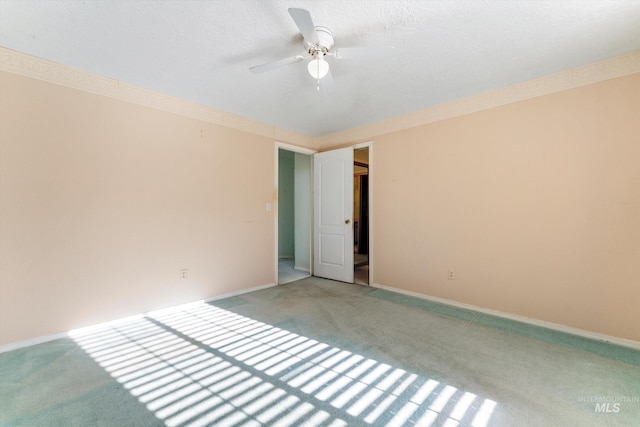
column 303, row 20
column 328, row 84
column 383, row 52
column 275, row 64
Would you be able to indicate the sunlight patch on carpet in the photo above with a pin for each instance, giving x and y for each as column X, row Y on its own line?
column 201, row 364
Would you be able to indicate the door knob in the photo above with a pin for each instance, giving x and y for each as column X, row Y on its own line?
column 347, row 221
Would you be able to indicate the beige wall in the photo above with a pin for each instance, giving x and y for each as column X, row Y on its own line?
column 536, row 205
column 102, row 202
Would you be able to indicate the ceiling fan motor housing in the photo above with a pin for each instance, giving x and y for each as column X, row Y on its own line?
column 325, row 42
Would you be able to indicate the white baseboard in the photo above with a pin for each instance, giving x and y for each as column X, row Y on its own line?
column 32, row 341
column 43, row 339
column 243, row 291
column 303, row 269
column 549, row 325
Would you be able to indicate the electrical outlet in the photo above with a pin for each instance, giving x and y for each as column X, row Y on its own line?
column 451, row 275
column 183, row 274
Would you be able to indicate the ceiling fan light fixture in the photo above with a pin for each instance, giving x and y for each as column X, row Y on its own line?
column 318, row 68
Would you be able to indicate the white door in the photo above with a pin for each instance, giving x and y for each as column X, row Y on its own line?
column 333, row 215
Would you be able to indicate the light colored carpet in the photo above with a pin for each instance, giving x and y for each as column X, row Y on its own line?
column 316, row 352
column 287, row 273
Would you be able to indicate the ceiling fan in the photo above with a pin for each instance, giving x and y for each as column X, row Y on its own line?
column 318, row 44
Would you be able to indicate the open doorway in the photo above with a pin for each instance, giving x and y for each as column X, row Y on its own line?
column 361, row 215
column 294, row 215
column 337, row 245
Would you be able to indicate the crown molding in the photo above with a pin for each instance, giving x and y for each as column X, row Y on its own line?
column 607, row 69
column 30, row 66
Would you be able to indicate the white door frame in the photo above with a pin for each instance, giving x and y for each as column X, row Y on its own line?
column 295, row 149
column 369, row 145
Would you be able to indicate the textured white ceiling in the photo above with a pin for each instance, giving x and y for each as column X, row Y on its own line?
column 201, row 50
